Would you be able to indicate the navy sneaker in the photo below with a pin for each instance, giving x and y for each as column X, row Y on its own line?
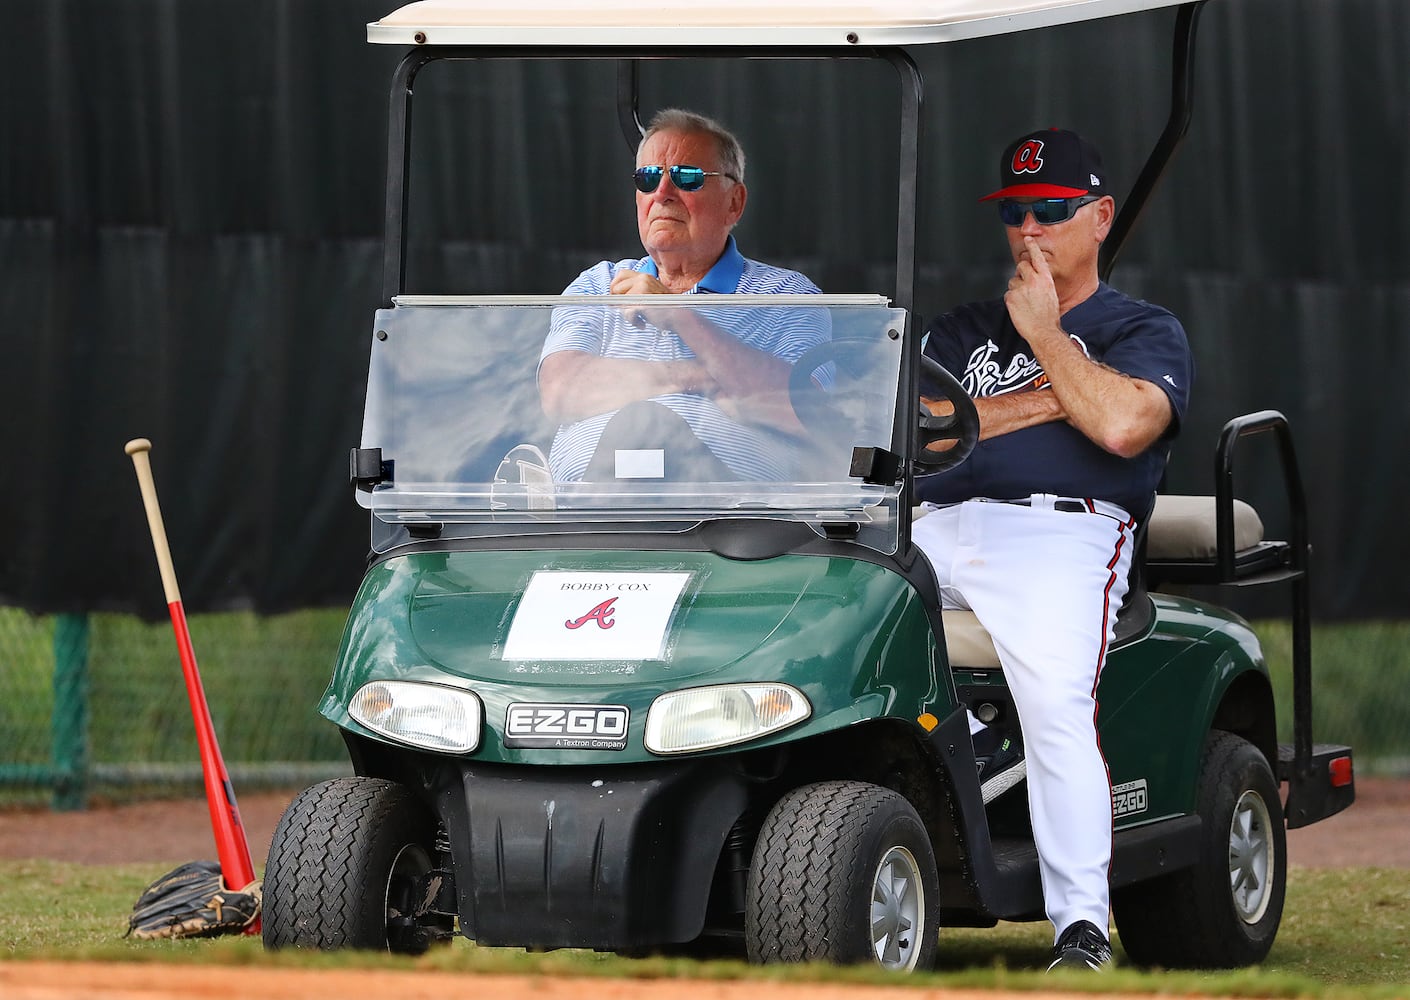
column 1082, row 946
column 1000, row 768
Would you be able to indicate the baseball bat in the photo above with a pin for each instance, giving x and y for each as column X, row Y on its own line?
column 230, row 842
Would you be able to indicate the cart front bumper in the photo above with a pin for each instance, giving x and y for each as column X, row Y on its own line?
column 580, row 857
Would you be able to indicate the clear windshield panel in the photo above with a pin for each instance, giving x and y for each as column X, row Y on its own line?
column 568, row 413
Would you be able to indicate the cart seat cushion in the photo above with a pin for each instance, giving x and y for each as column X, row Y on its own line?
column 1182, row 528
column 968, row 642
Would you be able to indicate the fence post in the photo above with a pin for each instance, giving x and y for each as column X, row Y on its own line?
column 69, row 726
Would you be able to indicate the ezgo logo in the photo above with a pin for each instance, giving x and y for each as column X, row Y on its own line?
column 1129, row 797
column 566, row 727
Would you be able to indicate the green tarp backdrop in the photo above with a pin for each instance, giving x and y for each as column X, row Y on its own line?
column 191, row 200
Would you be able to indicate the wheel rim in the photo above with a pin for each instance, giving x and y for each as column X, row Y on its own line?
column 1251, row 860
column 411, row 860
column 897, row 910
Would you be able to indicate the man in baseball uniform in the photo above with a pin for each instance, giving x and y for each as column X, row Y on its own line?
column 1080, row 390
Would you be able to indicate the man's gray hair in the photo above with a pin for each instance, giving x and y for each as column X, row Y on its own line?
column 679, row 120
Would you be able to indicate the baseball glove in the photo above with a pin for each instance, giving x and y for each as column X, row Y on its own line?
column 193, row 901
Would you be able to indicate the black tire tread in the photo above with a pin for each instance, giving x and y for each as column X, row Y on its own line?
column 807, row 851
column 319, row 871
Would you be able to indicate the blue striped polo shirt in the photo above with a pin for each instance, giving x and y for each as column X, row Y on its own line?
column 751, row 452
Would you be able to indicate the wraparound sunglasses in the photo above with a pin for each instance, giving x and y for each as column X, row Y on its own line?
column 1046, row 212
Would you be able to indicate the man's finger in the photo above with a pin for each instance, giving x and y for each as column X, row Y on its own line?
column 636, row 283
column 629, row 282
column 1035, row 256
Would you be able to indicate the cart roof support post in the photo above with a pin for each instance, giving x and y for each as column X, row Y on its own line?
column 1182, row 102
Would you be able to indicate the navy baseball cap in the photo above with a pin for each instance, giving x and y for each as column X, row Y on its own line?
column 1050, row 163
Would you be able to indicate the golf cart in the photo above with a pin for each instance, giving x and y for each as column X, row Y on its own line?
column 658, row 707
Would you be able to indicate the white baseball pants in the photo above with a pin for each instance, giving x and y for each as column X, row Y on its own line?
column 1047, row 584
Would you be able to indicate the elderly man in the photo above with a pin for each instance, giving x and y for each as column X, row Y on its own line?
column 679, row 377
column 1080, row 391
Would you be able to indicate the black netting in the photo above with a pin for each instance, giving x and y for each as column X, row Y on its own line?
column 191, row 212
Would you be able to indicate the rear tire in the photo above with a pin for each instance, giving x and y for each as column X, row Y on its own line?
column 341, row 866
column 1224, row 912
column 843, row 872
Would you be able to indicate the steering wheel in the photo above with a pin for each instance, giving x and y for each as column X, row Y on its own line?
column 961, row 427
column 852, row 401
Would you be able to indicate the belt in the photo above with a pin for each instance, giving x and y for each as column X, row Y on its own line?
column 1075, row 505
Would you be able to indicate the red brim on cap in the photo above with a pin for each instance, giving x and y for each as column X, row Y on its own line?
column 1035, row 191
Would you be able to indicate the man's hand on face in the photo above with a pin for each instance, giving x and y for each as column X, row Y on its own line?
column 1032, row 298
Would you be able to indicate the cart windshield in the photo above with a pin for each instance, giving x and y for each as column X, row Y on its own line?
column 565, row 413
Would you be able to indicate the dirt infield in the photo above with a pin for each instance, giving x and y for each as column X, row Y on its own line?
column 1371, row 832
column 93, row 981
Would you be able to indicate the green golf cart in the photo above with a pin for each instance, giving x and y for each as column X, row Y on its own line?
column 660, row 709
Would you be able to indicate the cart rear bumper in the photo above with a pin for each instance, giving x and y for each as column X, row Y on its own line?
column 1324, row 788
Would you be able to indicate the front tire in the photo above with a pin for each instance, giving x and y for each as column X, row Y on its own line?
column 1224, row 912
column 343, row 861
column 843, row 872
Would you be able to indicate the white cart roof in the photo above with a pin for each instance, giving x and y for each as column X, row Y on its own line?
column 781, row 23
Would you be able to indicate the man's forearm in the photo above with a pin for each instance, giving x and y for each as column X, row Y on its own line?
column 575, row 384
column 1003, row 414
column 1016, row 410
column 738, row 369
column 751, row 385
column 1118, row 413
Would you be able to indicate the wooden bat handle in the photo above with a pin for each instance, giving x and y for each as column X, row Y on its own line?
column 138, row 449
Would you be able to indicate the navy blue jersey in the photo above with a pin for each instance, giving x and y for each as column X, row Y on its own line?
column 978, row 344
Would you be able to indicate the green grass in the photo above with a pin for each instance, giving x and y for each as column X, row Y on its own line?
column 1360, row 688
column 1345, row 933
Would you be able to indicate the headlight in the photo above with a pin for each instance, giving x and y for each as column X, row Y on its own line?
column 425, row 715
column 707, row 717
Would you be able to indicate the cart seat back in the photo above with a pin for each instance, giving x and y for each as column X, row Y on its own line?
column 1181, row 530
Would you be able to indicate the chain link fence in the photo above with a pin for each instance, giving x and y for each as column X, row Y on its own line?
column 94, row 707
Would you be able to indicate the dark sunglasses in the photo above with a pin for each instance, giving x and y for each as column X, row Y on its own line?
column 1047, row 212
column 648, row 179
